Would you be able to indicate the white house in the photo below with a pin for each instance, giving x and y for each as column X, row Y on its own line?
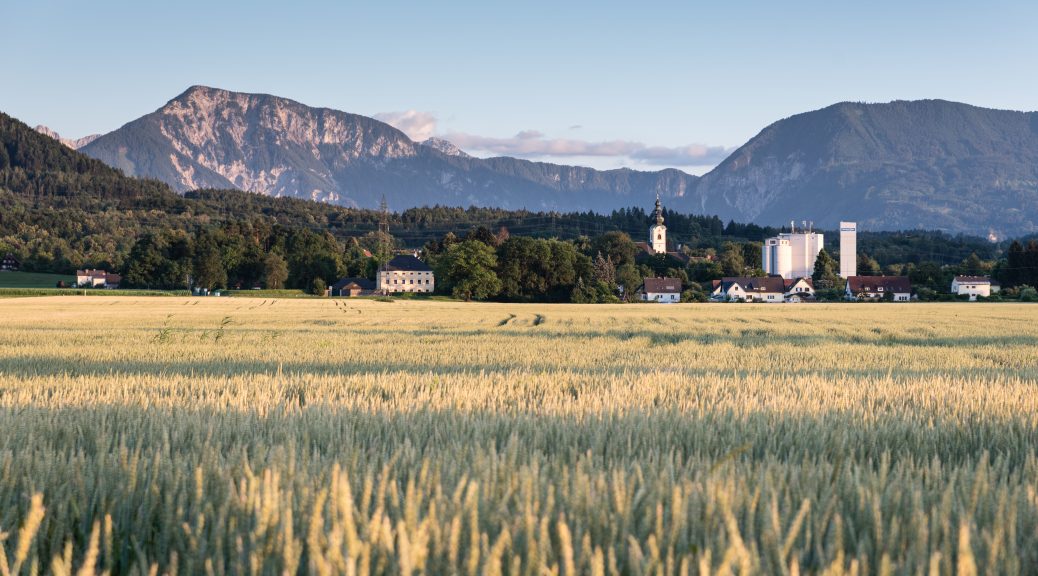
column 405, row 273
column 974, row 286
column 97, row 279
column 799, row 290
column 770, row 289
column 896, row 288
column 664, row 290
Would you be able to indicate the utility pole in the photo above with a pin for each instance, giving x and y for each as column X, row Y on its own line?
column 383, row 229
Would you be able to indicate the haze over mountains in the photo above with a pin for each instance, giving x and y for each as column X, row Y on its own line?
column 925, row 164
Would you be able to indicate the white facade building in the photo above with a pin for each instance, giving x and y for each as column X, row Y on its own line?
column 769, row 289
column 792, row 254
column 848, row 249
column 974, row 286
column 97, row 279
column 895, row 288
column 658, row 232
column 663, row 290
column 405, row 274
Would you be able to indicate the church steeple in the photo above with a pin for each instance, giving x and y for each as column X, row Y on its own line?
column 658, row 233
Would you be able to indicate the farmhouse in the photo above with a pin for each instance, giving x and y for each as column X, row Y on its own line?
column 352, row 287
column 896, row 288
column 405, row 273
column 798, row 289
column 974, row 286
column 10, row 264
column 748, row 289
column 97, row 279
column 664, row 290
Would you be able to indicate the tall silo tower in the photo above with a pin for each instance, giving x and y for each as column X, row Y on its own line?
column 848, row 249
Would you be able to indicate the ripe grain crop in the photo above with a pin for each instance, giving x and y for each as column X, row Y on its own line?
column 227, row 436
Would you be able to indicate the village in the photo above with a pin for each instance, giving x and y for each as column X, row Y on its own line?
column 790, row 262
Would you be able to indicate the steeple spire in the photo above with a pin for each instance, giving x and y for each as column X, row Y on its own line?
column 658, row 232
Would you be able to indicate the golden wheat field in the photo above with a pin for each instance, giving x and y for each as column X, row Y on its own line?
column 251, row 436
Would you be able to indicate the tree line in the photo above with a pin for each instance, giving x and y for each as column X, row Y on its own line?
column 61, row 210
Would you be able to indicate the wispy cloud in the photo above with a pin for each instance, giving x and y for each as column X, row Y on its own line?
column 535, row 144
column 416, row 124
column 530, row 143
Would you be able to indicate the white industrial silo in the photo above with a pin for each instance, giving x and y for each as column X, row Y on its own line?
column 848, row 249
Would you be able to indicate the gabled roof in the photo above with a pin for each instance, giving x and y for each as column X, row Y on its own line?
column 362, row 283
column 791, row 282
column 92, row 273
column 858, row 284
column 662, row 286
column 974, row 280
column 767, row 284
column 406, row 263
column 645, row 251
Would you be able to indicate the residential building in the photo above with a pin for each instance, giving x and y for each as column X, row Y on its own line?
column 792, row 254
column 10, row 264
column 405, row 273
column 769, row 289
column 352, row 287
column 97, row 279
column 798, row 290
column 974, row 286
column 848, row 249
column 664, row 290
column 896, row 288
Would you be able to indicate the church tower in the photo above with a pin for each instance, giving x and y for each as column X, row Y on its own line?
column 658, row 233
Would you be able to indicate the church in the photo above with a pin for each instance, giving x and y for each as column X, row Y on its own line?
column 657, row 243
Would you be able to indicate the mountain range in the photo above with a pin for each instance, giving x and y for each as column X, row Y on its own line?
column 927, row 164
column 211, row 138
column 73, row 143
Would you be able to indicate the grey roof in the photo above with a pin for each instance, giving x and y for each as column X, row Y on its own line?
column 364, row 283
column 407, row 263
column 858, row 284
column 974, row 280
column 767, row 284
column 662, row 285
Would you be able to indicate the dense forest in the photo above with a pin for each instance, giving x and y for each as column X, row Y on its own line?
column 61, row 210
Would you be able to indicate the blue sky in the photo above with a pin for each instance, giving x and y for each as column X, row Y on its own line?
column 605, row 84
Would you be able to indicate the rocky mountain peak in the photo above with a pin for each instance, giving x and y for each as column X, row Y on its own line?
column 445, row 146
column 73, row 143
column 925, row 164
column 213, row 138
